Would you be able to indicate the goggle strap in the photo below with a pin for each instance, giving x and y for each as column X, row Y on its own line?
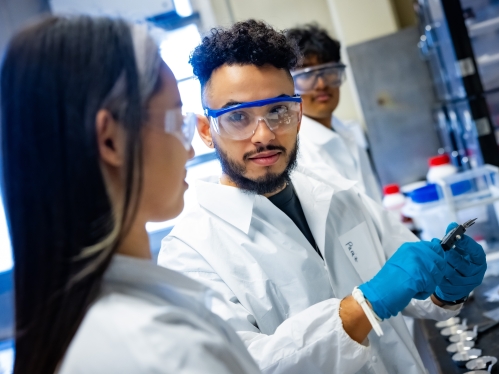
column 218, row 112
column 329, row 65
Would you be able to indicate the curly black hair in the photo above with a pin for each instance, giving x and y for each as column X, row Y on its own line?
column 245, row 43
column 315, row 41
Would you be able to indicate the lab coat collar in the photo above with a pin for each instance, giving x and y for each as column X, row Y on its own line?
column 235, row 206
column 214, row 196
column 345, row 133
column 337, row 125
column 145, row 275
column 315, row 132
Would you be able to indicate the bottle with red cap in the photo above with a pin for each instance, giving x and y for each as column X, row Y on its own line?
column 393, row 199
column 440, row 167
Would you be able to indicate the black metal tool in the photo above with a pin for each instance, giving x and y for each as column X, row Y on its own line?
column 449, row 240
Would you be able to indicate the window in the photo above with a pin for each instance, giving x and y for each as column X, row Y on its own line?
column 175, row 49
column 5, row 247
column 6, row 356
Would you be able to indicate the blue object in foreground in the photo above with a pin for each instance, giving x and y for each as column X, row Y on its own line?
column 464, row 269
column 429, row 193
column 416, row 268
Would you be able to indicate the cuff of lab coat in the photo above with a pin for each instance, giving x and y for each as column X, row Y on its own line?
column 305, row 342
column 428, row 310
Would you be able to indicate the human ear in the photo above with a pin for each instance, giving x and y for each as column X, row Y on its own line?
column 110, row 139
column 204, row 130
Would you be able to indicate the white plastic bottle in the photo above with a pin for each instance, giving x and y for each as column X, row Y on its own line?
column 393, row 200
column 440, row 167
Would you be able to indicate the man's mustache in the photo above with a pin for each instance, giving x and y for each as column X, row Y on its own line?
column 269, row 147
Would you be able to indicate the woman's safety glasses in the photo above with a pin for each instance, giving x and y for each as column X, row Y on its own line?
column 332, row 74
column 181, row 126
column 239, row 122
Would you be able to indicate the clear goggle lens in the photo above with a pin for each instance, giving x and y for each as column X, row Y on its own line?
column 332, row 75
column 241, row 123
column 181, row 126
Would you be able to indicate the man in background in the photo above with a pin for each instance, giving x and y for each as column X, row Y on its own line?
column 325, row 142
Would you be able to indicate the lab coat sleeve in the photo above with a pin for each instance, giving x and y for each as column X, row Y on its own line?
column 393, row 234
column 428, row 310
column 312, row 341
column 197, row 351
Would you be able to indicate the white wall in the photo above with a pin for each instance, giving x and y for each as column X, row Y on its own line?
column 360, row 20
column 281, row 14
column 406, row 15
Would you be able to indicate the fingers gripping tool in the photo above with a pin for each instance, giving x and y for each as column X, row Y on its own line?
column 449, row 240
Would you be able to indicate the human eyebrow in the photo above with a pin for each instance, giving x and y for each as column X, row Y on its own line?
column 233, row 103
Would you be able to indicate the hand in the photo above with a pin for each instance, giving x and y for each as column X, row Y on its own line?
column 413, row 272
column 464, row 269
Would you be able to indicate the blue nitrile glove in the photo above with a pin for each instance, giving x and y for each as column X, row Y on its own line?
column 464, row 270
column 413, row 272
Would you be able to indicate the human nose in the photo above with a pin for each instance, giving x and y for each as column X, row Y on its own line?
column 320, row 83
column 191, row 153
column 262, row 134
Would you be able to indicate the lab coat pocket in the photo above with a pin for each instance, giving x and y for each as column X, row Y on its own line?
column 358, row 248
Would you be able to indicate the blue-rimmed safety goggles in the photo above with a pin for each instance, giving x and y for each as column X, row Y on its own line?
column 240, row 121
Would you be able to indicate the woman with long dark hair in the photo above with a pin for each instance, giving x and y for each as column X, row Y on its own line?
column 94, row 146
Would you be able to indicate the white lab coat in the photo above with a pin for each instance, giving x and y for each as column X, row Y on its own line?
column 148, row 319
column 325, row 152
column 284, row 298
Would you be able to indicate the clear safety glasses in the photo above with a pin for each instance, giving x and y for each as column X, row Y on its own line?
column 239, row 122
column 332, row 74
column 181, row 126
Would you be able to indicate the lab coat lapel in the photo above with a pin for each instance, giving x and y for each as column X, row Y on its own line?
column 350, row 142
column 315, row 199
column 231, row 204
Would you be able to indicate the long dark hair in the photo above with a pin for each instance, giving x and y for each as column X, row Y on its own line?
column 56, row 75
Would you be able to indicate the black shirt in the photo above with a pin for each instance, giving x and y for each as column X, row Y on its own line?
column 288, row 202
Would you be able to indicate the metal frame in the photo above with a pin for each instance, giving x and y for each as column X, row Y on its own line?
column 466, row 63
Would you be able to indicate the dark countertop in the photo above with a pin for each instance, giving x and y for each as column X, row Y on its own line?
column 473, row 310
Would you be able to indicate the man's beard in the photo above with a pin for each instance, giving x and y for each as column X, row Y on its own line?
column 268, row 183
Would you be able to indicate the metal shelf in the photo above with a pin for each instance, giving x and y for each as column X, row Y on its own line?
column 488, row 65
column 487, row 60
column 485, row 201
column 484, row 27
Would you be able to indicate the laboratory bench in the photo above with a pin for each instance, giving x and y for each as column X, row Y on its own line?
column 432, row 346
